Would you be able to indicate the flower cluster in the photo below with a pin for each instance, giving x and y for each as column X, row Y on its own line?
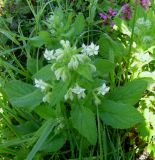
column 142, row 21
column 107, row 17
column 79, row 91
column 68, row 58
column 126, row 11
column 141, row 24
column 43, row 86
column 76, row 60
column 145, row 4
column 90, row 50
column 51, row 54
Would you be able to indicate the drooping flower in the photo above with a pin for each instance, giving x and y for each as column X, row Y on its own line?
column 49, row 55
column 145, row 3
column 69, row 95
column 79, row 91
column 59, row 53
column 76, row 60
column 90, row 50
column 126, row 11
column 103, row 89
column 39, row 83
column 60, row 73
column 74, row 63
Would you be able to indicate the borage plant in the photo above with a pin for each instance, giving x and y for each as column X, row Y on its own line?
column 71, row 96
column 61, row 106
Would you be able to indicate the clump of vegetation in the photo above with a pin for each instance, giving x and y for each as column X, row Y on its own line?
column 77, row 80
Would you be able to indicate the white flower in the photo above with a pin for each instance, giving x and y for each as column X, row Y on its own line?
column 61, row 74
column 79, row 91
column 147, row 23
column 49, row 55
column 140, row 21
column 73, row 64
column 39, row 83
column 103, row 89
column 81, row 58
column 90, row 50
column 147, row 39
column 65, row 44
column 59, row 53
column 143, row 57
column 76, row 60
column 69, row 95
column 84, row 49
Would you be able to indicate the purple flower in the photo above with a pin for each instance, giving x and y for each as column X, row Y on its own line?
column 145, row 3
column 112, row 24
column 112, row 12
column 103, row 16
column 127, row 12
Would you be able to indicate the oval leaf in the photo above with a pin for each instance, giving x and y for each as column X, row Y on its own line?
column 119, row 115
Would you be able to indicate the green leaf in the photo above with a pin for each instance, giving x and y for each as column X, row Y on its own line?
column 21, row 154
column 45, row 111
column 46, row 37
column 32, row 65
column 26, row 128
column 79, row 24
column 58, row 92
column 83, row 119
column 45, row 73
column 119, row 115
column 21, row 94
column 144, row 130
column 130, row 93
column 10, row 35
column 109, row 46
column 36, row 41
column 104, row 66
column 85, row 71
column 48, row 127
column 54, row 145
column 15, row 141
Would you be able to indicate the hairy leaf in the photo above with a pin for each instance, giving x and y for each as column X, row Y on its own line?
column 119, row 115
column 21, row 94
column 130, row 93
column 83, row 120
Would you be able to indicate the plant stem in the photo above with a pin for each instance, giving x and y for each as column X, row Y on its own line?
column 131, row 40
column 99, row 134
